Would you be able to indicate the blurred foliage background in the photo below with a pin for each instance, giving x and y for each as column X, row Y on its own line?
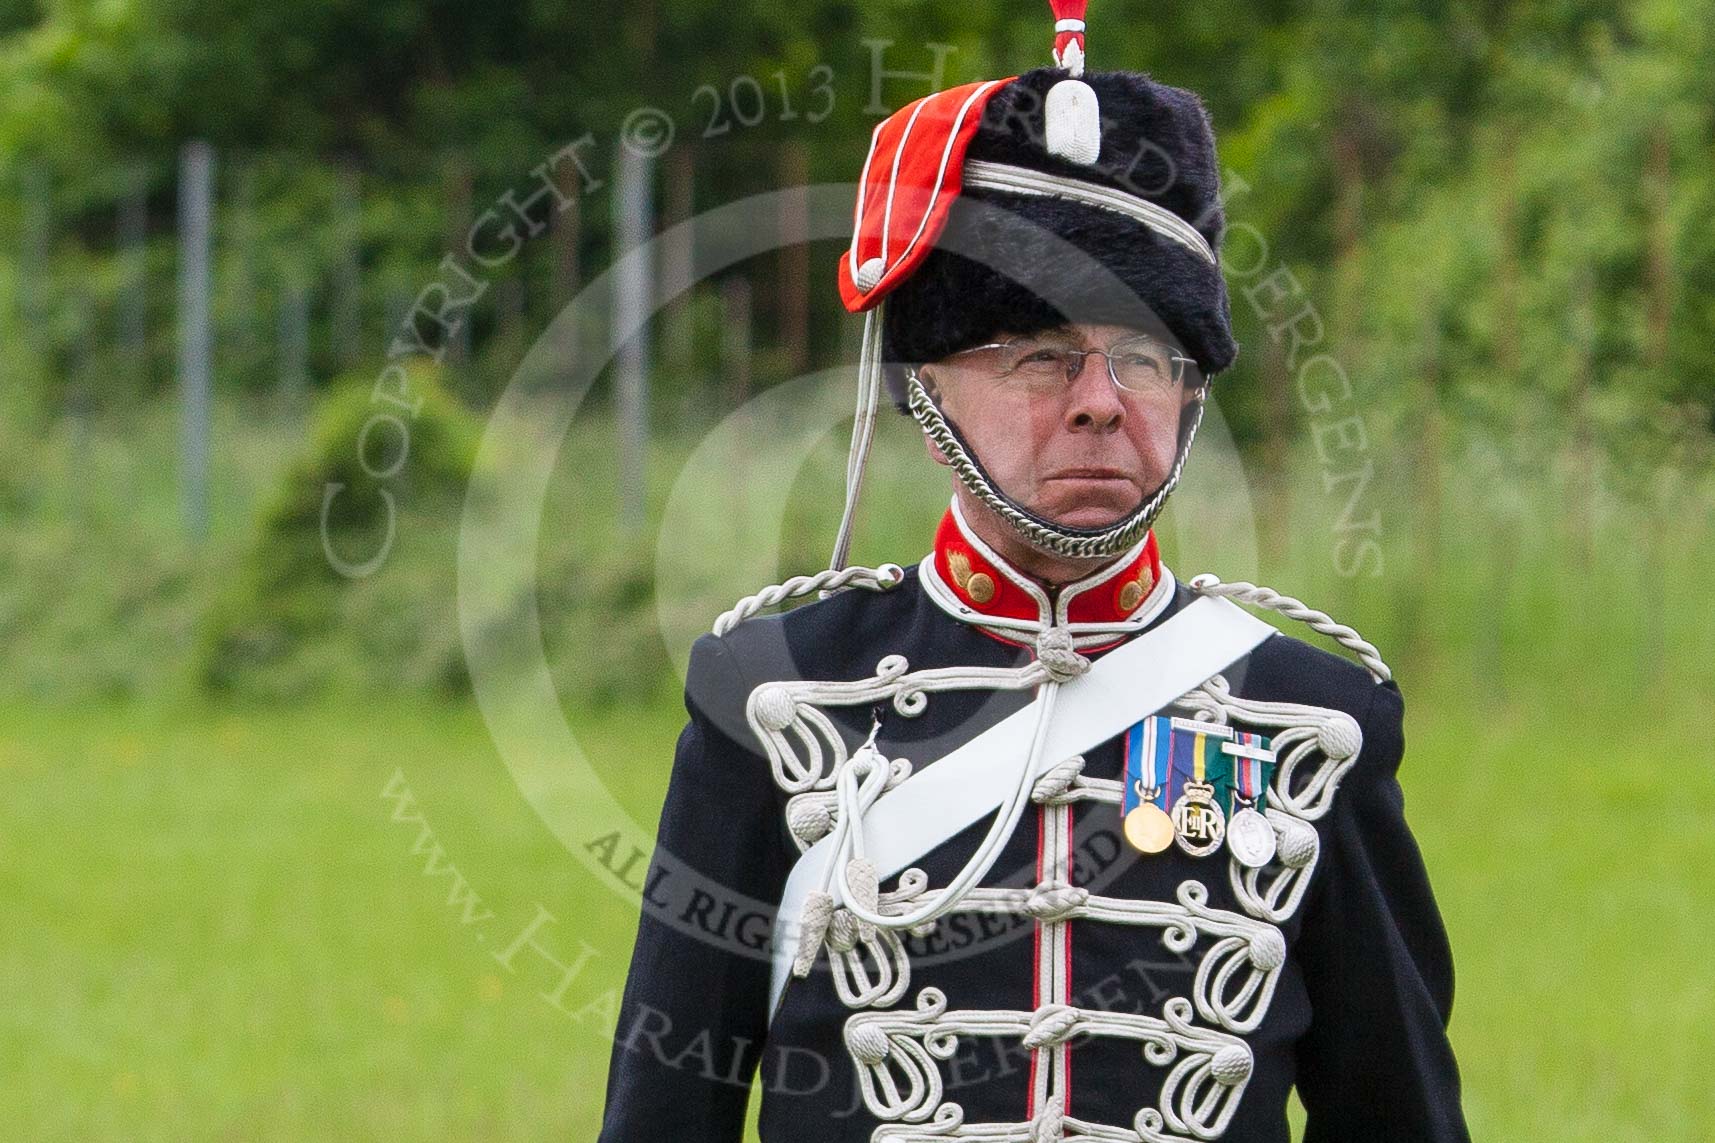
column 1474, row 280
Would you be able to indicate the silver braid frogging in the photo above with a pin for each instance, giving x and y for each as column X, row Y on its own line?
column 1069, row 542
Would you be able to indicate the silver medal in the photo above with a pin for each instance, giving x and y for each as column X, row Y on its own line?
column 1250, row 838
column 1197, row 821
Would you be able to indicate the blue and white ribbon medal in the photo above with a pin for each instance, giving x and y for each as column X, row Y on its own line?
column 1148, row 759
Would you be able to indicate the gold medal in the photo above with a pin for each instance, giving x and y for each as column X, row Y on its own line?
column 1146, row 825
column 1148, row 828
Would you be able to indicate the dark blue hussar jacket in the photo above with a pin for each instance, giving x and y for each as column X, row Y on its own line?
column 1357, row 1024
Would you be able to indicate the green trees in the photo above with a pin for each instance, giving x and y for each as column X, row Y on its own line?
column 1469, row 237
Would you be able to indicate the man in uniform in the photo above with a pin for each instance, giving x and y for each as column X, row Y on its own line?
column 1033, row 842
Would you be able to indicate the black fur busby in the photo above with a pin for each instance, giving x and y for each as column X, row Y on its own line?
column 1156, row 144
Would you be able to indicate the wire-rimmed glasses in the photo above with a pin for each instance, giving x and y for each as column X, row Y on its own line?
column 1140, row 365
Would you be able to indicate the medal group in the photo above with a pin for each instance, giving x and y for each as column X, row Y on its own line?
column 1198, row 785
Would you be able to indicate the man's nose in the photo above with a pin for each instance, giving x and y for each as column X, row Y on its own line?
column 1092, row 398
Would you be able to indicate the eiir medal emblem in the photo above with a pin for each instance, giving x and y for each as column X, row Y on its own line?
column 1198, row 824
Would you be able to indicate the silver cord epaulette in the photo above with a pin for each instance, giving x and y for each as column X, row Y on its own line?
column 884, row 578
column 1320, row 621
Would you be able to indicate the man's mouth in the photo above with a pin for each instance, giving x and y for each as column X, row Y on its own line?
column 1091, row 473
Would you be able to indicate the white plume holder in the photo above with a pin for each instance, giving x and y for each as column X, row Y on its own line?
column 1073, row 121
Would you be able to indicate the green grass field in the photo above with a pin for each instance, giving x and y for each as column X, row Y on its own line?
column 218, row 928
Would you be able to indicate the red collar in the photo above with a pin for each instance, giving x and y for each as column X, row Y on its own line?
column 987, row 584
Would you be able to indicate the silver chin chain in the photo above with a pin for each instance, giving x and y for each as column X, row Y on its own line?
column 1059, row 539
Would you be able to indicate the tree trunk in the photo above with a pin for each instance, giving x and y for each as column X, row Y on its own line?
column 1584, row 489
column 292, row 348
column 1658, row 190
column 633, row 226
column 133, row 233
column 794, row 299
column 458, row 189
column 348, row 280
column 679, row 322
column 736, row 339
column 196, row 206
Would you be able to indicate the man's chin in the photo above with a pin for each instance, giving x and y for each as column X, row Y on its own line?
column 1089, row 515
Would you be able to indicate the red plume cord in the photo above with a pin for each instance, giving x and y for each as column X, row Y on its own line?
column 1065, row 34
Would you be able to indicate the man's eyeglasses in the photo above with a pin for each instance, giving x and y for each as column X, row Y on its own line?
column 1139, row 365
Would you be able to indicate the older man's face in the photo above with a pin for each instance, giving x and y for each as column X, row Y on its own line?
column 1084, row 456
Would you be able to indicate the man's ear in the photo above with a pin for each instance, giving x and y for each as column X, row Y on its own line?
column 935, row 453
column 934, row 391
column 928, row 381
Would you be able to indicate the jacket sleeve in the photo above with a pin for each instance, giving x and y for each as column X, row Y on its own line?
column 1376, row 1062
column 692, row 1019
